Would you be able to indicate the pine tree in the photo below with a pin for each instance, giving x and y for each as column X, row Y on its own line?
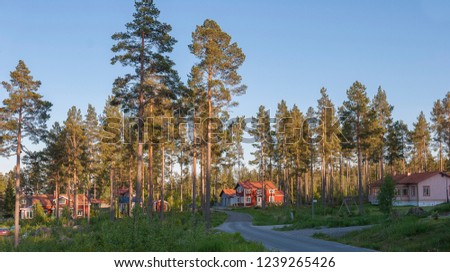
column 25, row 115
column 299, row 150
column 420, row 137
column 354, row 114
column 282, row 128
column 8, row 205
column 219, row 62
column 55, row 157
column 76, row 151
column 111, row 144
column 383, row 111
column 92, row 137
column 262, row 133
column 328, row 131
column 446, row 109
column 438, row 127
column 397, row 145
column 143, row 47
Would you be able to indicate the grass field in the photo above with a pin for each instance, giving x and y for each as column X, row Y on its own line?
column 179, row 232
column 404, row 233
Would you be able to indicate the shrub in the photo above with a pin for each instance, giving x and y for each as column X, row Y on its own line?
column 386, row 195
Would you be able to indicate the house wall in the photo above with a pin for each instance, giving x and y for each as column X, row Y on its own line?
column 438, row 191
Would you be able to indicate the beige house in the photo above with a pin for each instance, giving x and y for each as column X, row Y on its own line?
column 420, row 189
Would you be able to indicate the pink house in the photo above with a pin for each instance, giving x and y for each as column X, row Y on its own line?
column 420, row 189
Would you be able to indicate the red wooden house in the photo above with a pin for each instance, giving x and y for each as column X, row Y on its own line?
column 27, row 203
column 48, row 203
column 82, row 204
column 250, row 194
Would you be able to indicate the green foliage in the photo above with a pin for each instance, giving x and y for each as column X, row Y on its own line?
column 179, row 232
column 386, row 195
column 10, row 197
column 407, row 234
column 39, row 215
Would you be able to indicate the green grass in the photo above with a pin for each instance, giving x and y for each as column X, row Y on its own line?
column 407, row 234
column 218, row 218
column 323, row 217
column 179, row 232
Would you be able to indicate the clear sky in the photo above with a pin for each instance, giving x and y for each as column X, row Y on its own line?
column 293, row 48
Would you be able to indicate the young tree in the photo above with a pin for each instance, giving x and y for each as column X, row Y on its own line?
column 143, row 47
column 219, row 60
column 386, row 195
column 354, row 114
column 26, row 114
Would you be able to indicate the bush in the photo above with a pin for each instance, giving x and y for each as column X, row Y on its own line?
column 386, row 195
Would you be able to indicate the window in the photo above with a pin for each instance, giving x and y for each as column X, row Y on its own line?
column 239, row 189
column 259, row 191
column 426, row 190
column 80, row 213
column 272, row 191
column 405, row 191
column 271, row 199
column 249, row 199
column 23, row 201
column 413, row 191
column 248, row 191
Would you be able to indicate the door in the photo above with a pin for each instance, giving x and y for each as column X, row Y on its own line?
column 259, row 201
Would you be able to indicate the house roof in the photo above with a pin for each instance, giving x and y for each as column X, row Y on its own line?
column 411, row 178
column 44, row 200
column 228, row 192
column 80, row 198
column 258, row 185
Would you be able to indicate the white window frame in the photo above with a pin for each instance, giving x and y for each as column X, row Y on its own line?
column 248, row 199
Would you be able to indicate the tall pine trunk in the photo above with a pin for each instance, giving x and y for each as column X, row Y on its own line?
column 360, row 183
column 17, row 181
column 194, row 170
column 130, row 189
column 208, row 156
column 162, row 203
column 150, row 180
column 111, row 195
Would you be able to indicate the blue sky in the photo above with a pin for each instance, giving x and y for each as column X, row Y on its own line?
column 293, row 48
